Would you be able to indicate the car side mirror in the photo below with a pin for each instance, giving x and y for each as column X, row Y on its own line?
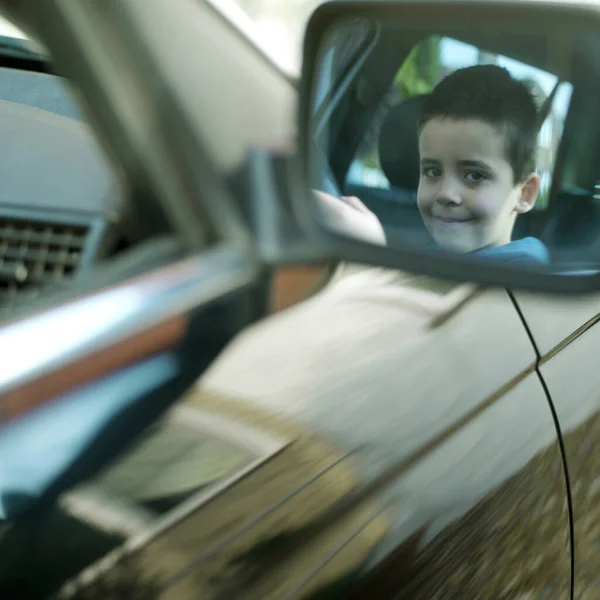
column 454, row 139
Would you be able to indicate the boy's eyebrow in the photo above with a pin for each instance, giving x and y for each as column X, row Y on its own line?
column 475, row 163
column 463, row 163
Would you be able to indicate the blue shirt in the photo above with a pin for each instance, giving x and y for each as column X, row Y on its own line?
column 528, row 250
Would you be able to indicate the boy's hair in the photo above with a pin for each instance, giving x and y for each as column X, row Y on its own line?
column 490, row 94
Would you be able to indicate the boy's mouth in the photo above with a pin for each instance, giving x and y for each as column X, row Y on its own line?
column 452, row 220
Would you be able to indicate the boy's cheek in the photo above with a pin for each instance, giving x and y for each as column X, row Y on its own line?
column 483, row 207
column 423, row 202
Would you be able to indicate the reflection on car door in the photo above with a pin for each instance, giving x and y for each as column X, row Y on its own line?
column 567, row 335
column 435, row 392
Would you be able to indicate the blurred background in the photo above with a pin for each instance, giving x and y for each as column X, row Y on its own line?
column 281, row 24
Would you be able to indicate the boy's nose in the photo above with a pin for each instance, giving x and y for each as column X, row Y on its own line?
column 448, row 193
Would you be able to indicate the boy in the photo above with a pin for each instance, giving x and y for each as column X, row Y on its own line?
column 477, row 143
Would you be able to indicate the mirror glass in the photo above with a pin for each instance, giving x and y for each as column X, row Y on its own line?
column 462, row 137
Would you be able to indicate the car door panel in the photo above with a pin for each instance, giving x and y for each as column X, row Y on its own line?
column 566, row 333
column 469, row 439
column 497, row 525
column 298, row 523
column 553, row 320
column 271, row 526
column 573, row 381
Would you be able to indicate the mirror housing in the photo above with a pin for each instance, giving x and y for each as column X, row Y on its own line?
column 570, row 19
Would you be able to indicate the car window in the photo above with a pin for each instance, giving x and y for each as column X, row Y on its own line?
column 183, row 457
column 427, row 64
column 340, row 51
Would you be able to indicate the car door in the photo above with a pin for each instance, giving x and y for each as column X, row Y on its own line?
column 566, row 335
column 461, row 449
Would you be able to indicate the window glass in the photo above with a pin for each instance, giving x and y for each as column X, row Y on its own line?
column 338, row 51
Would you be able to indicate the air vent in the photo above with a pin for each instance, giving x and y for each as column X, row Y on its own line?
column 36, row 253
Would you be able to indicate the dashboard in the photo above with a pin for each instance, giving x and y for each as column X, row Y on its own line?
column 59, row 198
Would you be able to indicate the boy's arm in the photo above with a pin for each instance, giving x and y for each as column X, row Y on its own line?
column 350, row 216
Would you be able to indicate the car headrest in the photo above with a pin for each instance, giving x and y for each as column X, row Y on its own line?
column 399, row 143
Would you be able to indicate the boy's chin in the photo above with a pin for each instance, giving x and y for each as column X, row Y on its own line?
column 457, row 246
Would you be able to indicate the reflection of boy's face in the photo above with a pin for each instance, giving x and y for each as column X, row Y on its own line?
column 467, row 195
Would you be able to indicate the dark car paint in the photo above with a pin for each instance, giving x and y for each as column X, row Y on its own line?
column 565, row 332
column 504, row 537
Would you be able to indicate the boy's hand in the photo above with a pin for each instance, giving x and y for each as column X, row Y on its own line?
column 351, row 217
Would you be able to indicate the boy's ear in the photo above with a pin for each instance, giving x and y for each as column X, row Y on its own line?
column 530, row 188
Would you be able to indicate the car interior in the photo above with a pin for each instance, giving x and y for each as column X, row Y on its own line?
column 60, row 205
column 68, row 225
column 63, row 209
column 67, row 228
column 569, row 221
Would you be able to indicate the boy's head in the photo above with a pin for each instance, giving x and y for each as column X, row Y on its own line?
column 477, row 143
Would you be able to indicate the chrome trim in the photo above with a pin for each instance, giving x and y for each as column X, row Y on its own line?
column 568, row 340
column 45, row 342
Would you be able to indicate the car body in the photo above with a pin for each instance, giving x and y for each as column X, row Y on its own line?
column 473, row 476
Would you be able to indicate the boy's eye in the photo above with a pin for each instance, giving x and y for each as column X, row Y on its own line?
column 474, row 176
column 431, row 171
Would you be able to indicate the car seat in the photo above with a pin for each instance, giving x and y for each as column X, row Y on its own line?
column 571, row 232
column 398, row 148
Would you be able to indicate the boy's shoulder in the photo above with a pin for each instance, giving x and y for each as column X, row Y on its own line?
column 527, row 250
